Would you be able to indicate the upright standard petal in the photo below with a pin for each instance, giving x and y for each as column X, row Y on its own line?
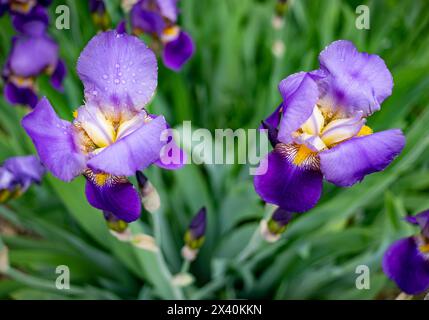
column 405, row 265
column 291, row 187
column 300, row 94
column 143, row 20
column 168, row 9
column 348, row 162
column 355, row 81
column 177, row 52
column 121, row 199
column 135, row 151
column 422, row 220
column 54, row 141
column 23, row 62
column 118, row 69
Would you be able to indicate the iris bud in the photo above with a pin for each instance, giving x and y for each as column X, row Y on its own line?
column 272, row 229
column 195, row 235
column 118, row 228
column 150, row 197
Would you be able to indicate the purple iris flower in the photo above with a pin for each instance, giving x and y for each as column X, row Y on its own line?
column 159, row 19
column 319, row 130
column 406, row 261
column 33, row 53
column 112, row 135
column 17, row 174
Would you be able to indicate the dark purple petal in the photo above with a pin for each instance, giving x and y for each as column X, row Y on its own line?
column 404, row 264
column 121, row 27
column 25, row 169
column 292, row 188
column 355, row 81
column 197, row 227
column 146, row 21
column 17, row 95
column 34, row 23
column 59, row 75
column 54, row 141
column 121, row 199
column 25, row 63
column 177, row 52
column 118, row 69
column 349, row 161
column 97, row 6
column 300, row 94
column 135, row 151
column 274, row 119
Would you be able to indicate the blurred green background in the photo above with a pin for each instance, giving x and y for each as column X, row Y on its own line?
column 231, row 82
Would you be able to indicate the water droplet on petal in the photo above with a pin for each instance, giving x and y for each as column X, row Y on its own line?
column 117, row 65
column 117, row 81
column 105, row 76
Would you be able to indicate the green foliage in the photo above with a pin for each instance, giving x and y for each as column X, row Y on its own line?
column 231, row 82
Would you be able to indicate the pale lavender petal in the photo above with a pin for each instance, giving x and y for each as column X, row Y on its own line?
column 404, row 264
column 118, row 69
column 25, row 63
column 292, row 188
column 355, row 81
column 121, row 199
column 349, row 161
column 135, row 151
column 54, row 141
column 168, row 9
column 177, row 52
column 300, row 94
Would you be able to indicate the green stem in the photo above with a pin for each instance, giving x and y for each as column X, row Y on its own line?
column 209, row 288
column 176, row 291
column 185, row 266
column 253, row 245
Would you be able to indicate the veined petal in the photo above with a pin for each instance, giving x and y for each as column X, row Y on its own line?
column 355, row 81
column 119, row 70
column 121, row 199
column 405, row 265
column 54, row 141
column 291, row 187
column 136, row 151
column 95, row 124
column 349, row 161
column 315, row 123
column 300, row 94
column 342, row 129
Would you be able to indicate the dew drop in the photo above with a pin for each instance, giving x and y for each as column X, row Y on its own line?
column 117, row 81
column 105, row 76
column 123, row 81
column 117, row 65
